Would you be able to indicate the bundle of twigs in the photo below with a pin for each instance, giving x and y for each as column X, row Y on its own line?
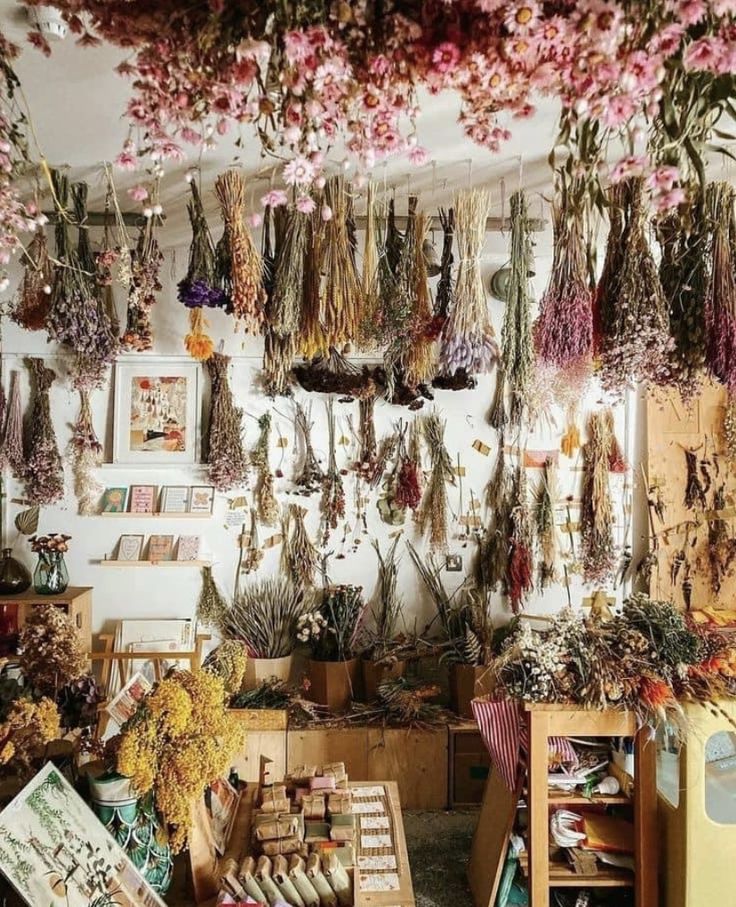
column 333, row 492
column 145, row 283
column 388, row 605
column 44, row 475
column 720, row 311
column 596, row 511
column 12, row 453
column 268, row 506
column 342, row 294
column 545, row 526
column 86, row 458
column 310, row 477
column 518, row 348
column 301, row 557
column 227, row 463
column 238, row 260
column 264, row 616
column 31, row 307
column 468, row 339
column 433, row 514
column 278, row 350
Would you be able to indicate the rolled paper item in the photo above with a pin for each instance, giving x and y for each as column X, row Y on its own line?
column 314, row 806
column 278, row 827
column 298, row 875
column 267, row 885
column 327, row 896
column 326, row 782
column 281, row 845
column 276, row 806
column 247, row 876
column 286, row 886
column 338, row 878
column 316, row 831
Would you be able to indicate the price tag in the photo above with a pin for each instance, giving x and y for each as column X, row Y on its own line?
column 481, row 447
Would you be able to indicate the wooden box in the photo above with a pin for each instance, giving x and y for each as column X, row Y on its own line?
column 76, row 602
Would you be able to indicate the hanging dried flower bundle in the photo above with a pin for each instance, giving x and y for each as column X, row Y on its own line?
column 268, row 507
column 606, row 296
column 367, row 437
column 635, row 340
column 419, row 358
column 445, row 298
column 545, row 526
column 371, row 321
column 86, row 458
column 33, row 301
column 12, row 453
column 468, row 339
column 300, row 554
column 227, row 463
column 721, row 544
column 278, row 351
column 253, row 557
column 342, row 294
column 285, row 306
column 563, row 332
column 312, row 335
column 145, row 284
column 434, row 510
column 520, row 567
column 408, row 494
column 398, row 294
column 44, row 476
column 389, row 509
column 310, row 477
column 334, row 374
column 518, row 348
column 333, row 493
column 596, row 511
column 495, row 545
column 237, row 259
column 720, row 312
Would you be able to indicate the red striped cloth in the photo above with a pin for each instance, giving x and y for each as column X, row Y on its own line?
column 505, row 735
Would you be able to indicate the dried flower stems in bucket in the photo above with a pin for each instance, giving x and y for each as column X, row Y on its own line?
column 434, row 510
column 238, row 260
column 227, row 461
column 268, row 507
column 721, row 294
column 518, row 349
column 44, row 476
column 468, row 340
column 86, row 458
column 596, row 512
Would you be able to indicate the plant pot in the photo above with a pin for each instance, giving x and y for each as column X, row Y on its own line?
column 467, row 682
column 259, row 670
column 51, row 576
column 14, row 577
column 375, row 674
column 333, row 683
column 132, row 821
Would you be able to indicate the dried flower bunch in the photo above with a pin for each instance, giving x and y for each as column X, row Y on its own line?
column 596, row 512
column 332, row 503
column 546, row 531
column 264, row 616
column 408, row 486
column 25, row 734
column 211, row 605
column 494, row 544
column 267, row 505
column 285, row 305
column 238, row 261
column 300, row 555
column 368, row 453
column 44, row 476
column 333, row 630
column 433, row 514
column 251, row 557
column 227, row 462
column 388, row 605
column 180, row 739
column 371, row 321
column 145, row 284
column 520, row 564
column 310, row 477
column 86, row 451
column 33, row 300
column 53, row 655
column 12, row 450
column 228, row 662
column 720, row 300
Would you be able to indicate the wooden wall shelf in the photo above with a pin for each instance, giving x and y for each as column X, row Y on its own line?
column 157, row 515
column 114, row 563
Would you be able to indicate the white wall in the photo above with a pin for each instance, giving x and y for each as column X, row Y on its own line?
column 133, row 592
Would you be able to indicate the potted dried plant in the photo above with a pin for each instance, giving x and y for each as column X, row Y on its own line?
column 265, row 617
column 331, row 631
column 380, row 660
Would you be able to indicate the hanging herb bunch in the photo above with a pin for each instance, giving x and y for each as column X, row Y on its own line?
column 300, row 554
column 596, row 511
column 445, row 296
column 32, row 304
column 44, row 476
column 546, row 530
column 468, row 340
column 200, row 288
column 720, row 305
column 278, row 350
column 370, row 334
column 520, row 567
column 311, row 340
column 268, row 507
column 420, row 356
column 368, row 453
column 227, row 463
column 145, row 283
column 310, row 477
column 606, row 296
column 13, row 455
column 408, row 494
column 86, row 458
column 563, row 332
column 635, row 344
column 333, row 492
column 238, row 262
column 518, row 348
column 494, row 542
column 433, row 514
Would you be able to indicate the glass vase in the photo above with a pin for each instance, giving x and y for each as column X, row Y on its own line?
column 14, row 577
column 51, row 576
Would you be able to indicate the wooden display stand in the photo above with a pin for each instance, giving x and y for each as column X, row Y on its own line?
column 76, row 602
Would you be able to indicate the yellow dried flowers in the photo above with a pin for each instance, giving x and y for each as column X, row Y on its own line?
column 26, row 731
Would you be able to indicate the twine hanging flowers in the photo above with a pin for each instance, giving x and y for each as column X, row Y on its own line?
column 268, row 507
column 227, row 463
column 12, row 454
column 333, row 492
column 342, row 294
column 310, row 477
column 44, row 476
column 596, row 511
column 31, row 307
column 433, row 514
column 145, row 284
column 720, row 311
column 86, row 458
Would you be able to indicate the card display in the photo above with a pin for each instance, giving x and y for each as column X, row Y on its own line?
column 175, row 499
column 374, row 822
column 188, row 547
column 142, row 498
column 160, row 547
column 374, row 842
column 113, row 500
column 379, row 881
column 130, row 547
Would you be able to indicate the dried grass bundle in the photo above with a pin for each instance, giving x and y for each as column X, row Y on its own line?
column 342, row 294
column 433, row 514
column 371, row 320
column 268, row 506
column 545, row 526
column 285, row 306
column 264, row 616
column 310, row 477
column 32, row 303
column 86, row 458
column 252, row 556
column 468, row 339
column 312, row 340
column 518, row 348
column 44, row 475
column 495, row 544
column 445, row 298
column 520, row 567
column 238, row 261
column 227, row 464
column 720, row 311
column 333, row 492
column 12, row 453
column 419, row 358
column 408, row 490
column 211, row 605
column 300, row 554
column 606, row 296
column 367, row 436
column 596, row 511
column 388, row 605
column 278, row 351
column 398, row 295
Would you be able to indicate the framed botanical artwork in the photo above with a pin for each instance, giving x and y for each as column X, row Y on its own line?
column 201, row 499
column 187, row 548
column 156, row 411
column 113, row 500
column 160, row 547
column 175, row 499
column 142, row 498
column 130, row 547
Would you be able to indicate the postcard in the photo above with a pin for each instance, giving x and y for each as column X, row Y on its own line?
column 188, row 547
column 160, row 547
column 142, row 498
column 201, row 499
column 130, row 547
column 175, row 499
column 126, row 703
column 113, row 500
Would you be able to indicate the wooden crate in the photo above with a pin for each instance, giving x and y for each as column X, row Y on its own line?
column 76, row 602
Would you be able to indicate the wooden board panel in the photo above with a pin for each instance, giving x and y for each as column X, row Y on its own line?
column 491, row 840
column 272, row 745
column 416, row 759
column 316, row 746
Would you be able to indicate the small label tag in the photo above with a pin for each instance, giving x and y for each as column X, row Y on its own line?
column 481, row 447
column 459, row 470
column 273, row 541
column 282, row 442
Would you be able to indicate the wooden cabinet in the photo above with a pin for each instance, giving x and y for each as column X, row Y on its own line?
column 76, row 602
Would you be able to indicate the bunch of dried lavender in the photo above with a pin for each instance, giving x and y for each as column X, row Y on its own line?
column 434, row 510
column 268, row 507
column 32, row 303
column 86, row 458
column 333, row 492
column 720, row 312
column 596, row 511
column 301, row 557
column 545, row 526
column 227, row 463
column 310, row 477
column 44, row 475
column 518, row 349
column 145, row 283
column 12, row 453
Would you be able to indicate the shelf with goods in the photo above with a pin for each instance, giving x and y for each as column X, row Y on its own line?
column 110, row 562
column 157, row 515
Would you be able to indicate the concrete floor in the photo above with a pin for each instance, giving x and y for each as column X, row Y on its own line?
column 439, row 847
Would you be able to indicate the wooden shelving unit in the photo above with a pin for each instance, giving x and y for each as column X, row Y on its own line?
column 113, row 563
column 156, row 515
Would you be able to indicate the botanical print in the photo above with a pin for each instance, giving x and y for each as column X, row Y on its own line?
column 55, row 851
column 158, row 413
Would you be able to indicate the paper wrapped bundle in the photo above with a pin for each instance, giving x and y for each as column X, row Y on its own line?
column 338, row 879
column 314, row 806
column 316, row 831
column 229, row 880
column 276, row 806
column 327, row 896
column 301, row 774
column 340, row 802
column 298, row 875
column 322, row 782
column 247, row 876
column 267, row 885
column 285, row 885
column 344, row 852
column 342, row 827
column 281, row 826
column 282, row 845
column 336, row 769
column 274, row 799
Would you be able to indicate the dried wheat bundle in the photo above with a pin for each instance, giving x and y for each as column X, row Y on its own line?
column 596, row 511
column 342, row 294
column 227, row 461
column 518, row 348
column 31, row 306
column 433, row 514
column 86, row 458
column 301, row 556
column 268, row 506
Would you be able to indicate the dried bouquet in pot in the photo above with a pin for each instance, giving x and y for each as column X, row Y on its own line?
column 265, row 616
column 331, row 630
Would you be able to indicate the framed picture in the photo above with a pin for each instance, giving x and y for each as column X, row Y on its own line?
column 160, row 547
column 156, row 412
column 175, row 499
column 125, row 704
column 113, row 500
column 188, row 548
column 130, row 547
column 142, row 498
column 201, row 499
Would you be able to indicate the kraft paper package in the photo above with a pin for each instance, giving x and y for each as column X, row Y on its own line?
column 342, row 828
column 265, row 882
column 338, row 879
column 298, row 875
column 277, row 827
column 229, row 880
column 340, row 802
column 327, row 896
column 275, row 806
column 314, row 806
column 282, row 846
column 247, row 876
column 286, row 886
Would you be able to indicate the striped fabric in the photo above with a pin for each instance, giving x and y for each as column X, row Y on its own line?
column 506, row 737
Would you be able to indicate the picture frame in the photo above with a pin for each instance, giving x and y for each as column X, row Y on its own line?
column 175, row 499
column 156, row 411
column 188, row 547
column 160, row 547
column 125, row 704
column 201, row 499
column 114, row 500
column 142, row 499
column 130, row 547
